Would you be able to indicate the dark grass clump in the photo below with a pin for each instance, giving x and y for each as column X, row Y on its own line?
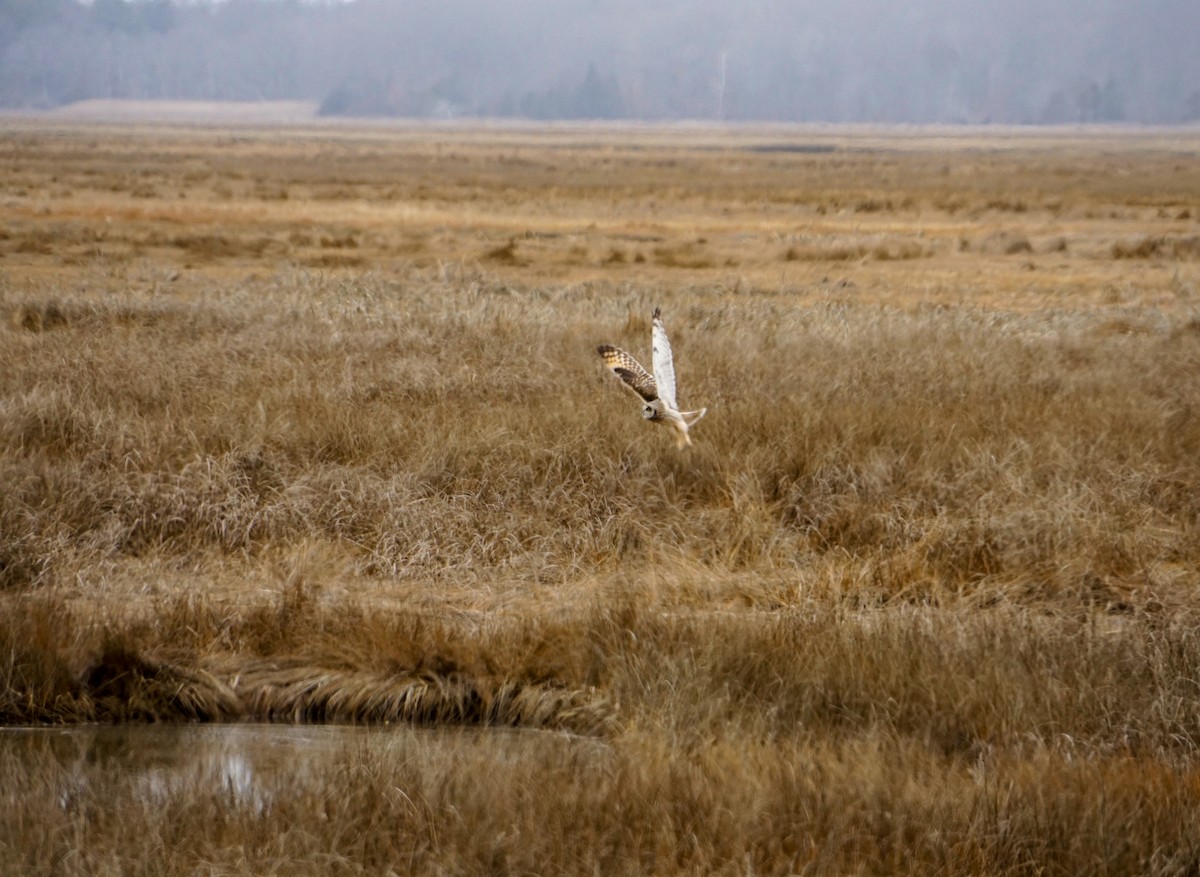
column 296, row 663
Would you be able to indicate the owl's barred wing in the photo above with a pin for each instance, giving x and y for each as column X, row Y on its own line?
column 629, row 370
column 664, row 363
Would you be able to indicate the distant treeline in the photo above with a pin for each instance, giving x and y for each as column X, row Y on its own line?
column 922, row 61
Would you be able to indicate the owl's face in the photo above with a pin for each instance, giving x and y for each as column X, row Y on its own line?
column 649, row 411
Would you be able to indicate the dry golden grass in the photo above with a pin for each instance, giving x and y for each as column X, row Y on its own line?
column 307, row 426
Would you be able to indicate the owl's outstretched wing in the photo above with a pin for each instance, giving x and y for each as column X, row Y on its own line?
column 629, row 370
column 664, row 364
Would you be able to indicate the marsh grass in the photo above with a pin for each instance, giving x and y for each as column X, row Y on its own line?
column 951, row 448
column 828, row 740
column 921, row 596
column 831, row 806
column 920, row 556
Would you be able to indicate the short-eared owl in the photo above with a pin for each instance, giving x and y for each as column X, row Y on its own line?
column 658, row 392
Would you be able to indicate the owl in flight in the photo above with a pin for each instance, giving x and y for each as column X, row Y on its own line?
column 658, row 392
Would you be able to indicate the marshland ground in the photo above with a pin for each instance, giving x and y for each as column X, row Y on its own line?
column 306, row 424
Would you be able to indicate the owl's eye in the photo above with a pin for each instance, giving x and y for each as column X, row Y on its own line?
column 648, row 412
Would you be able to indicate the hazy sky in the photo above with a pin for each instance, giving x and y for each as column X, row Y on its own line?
column 857, row 60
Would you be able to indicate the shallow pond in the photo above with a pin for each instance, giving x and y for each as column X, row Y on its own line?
column 252, row 763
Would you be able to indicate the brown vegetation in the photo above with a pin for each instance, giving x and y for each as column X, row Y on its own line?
column 922, row 596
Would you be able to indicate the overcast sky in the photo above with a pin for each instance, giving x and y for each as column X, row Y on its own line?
column 1025, row 61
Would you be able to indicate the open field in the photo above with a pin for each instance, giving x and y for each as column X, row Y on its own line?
column 306, row 424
